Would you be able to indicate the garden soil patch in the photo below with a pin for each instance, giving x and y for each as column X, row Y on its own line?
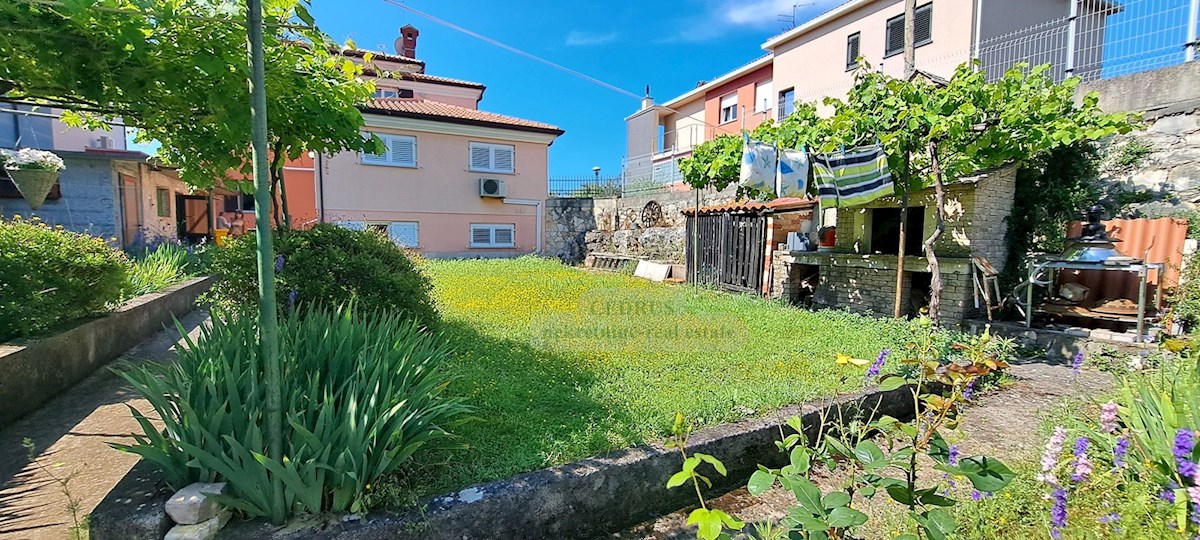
column 1001, row 424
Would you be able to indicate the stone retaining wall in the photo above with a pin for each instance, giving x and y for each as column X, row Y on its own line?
column 33, row 371
column 585, row 499
column 576, row 227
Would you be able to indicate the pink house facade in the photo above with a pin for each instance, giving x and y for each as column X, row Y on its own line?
column 454, row 181
column 818, row 59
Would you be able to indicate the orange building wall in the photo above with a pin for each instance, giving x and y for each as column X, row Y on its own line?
column 747, row 118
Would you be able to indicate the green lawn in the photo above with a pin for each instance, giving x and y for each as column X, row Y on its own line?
column 563, row 363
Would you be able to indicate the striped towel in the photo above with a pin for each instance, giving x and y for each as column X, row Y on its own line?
column 853, row 178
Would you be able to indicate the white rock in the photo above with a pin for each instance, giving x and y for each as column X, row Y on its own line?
column 192, row 505
column 205, row 530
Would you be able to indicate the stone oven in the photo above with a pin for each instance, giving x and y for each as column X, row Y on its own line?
column 859, row 273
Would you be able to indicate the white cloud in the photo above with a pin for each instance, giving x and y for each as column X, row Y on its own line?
column 579, row 38
column 764, row 13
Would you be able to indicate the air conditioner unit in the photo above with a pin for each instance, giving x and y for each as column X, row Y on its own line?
column 492, row 187
column 105, row 142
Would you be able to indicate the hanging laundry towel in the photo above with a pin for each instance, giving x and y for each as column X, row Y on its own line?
column 758, row 164
column 852, row 178
column 792, row 178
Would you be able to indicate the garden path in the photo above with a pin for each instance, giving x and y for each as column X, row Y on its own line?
column 1001, row 424
column 71, row 434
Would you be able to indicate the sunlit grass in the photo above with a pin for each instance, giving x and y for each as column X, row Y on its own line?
column 563, row 363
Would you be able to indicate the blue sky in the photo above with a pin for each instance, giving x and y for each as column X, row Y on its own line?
column 669, row 45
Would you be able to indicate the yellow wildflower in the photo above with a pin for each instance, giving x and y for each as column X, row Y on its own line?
column 843, row 359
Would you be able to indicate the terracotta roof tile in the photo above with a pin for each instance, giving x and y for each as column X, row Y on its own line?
column 420, row 108
column 389, row 57
column 424, row 77
column 781, row 204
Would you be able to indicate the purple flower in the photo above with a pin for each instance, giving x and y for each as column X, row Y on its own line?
column 1108, row 519
column 1185, row 441
column 976, row 495
column 291, row 299
column 1058, row 513
column 1167, row 495
column 873, row 371
column 1054, row 446
column 1083, row 466
column 969, row 391
column 1108, row 417
column 1077, row 363
column 278, row 264
column 952, row 455
column 1120, row 450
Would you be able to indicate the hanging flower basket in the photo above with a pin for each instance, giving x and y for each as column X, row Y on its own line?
column 34, row 172
column 34, row 184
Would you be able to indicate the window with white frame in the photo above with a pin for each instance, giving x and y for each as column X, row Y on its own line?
column 922, row 30
column 787, row 103
column 398, row 151
column 763, row 95
column 393, row 93
column 484, row 235
column 404, row 233
column 729, row 106
column 492, row 158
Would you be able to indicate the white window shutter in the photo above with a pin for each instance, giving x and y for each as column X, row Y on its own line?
column 503, row 235
column 404, row 233
column 377, row 158
column 403, row 151
column 481, row 235
column 481, row 157
column 502, row 158
column 352, row 225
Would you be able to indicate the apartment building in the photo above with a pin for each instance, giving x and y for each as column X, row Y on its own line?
column 818, row 59
column 453, row 180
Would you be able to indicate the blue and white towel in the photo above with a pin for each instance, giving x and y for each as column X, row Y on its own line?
column 852, row 178
column 791, row 179
column 758, row 164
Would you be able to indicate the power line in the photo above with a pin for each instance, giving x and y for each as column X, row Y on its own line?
column 512, row 49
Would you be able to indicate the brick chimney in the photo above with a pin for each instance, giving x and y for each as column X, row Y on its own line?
column 406, row 44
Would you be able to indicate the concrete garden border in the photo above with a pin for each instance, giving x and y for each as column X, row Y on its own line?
column 584, row 499
column 33, row 371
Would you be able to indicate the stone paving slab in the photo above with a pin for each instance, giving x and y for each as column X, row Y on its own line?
column 71, row 434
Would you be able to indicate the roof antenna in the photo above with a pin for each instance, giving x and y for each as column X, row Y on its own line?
column 789, row 20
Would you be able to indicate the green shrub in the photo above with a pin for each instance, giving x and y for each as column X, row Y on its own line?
column 1185, row 300
column 158, row 268
column 325, row 265
column 361, row 394
column 50, row 276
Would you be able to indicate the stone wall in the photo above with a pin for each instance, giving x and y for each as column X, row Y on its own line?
column 567, row 222
column 977, row 209
column 576, row 227
column 33, row 371
column 1170, row 168
column 1169, row 100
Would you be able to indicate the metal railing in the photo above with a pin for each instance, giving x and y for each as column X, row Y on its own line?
column 642, row 175
column 1101, row 39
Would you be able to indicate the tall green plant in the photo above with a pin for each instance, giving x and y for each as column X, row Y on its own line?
column 362, row 394
column 890, row 466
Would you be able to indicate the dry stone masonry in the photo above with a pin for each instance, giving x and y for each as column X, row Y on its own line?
column 196, row 514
